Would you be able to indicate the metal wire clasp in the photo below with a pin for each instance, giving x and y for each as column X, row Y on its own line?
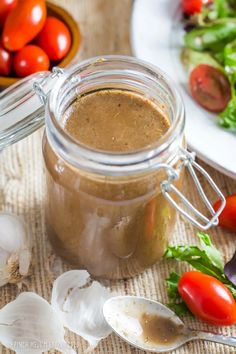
column 39, row 86
column 187, row 160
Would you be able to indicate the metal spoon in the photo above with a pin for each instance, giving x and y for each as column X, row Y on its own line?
column 123, row 314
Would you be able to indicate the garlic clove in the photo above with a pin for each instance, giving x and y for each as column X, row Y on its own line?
column 3, row 257
column 15, row 249
column 79, row 301
column 65, row 282
column 30, row 325
column 24, row 261
column 12, row 232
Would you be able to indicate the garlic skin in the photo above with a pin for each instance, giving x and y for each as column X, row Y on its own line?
column 79, row 303
column 30, row 325
column 15, row 249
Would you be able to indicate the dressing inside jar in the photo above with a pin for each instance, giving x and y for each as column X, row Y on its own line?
column 113, row 226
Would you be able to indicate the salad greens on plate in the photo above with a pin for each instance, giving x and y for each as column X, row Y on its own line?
column 209, row 55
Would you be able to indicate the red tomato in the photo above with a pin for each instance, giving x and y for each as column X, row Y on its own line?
column 5, row 7
column 210, row 88
column 207, row 298
column 5, row 61
column 24, row 22
column 29, row 60
column 191, row 7
column 227, row 218
column 55, row 38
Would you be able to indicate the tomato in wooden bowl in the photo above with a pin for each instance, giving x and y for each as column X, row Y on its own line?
column 63, row 25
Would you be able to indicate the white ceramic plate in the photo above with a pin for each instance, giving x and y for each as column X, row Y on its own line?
column 156, row 36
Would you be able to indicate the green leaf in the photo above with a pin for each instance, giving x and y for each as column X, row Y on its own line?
column 213, row 36
column 212, row 252
column 224, row 8
column 172, row 285
column 228, row 118
column 191, row 58
column 180, row 309
column 231, row 289
column 221, row 8
column 184, row 253
column 197, row 258
column 230, row 57
column 207, row 268
column 176, row 303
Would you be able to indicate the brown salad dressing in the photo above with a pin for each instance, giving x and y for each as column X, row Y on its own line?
column 160, row 330
column 113, row 227
column 115, row 120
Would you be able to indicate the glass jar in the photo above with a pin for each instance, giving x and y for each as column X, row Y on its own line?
column 111, row 213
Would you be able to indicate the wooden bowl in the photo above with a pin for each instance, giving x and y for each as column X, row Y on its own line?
column 64, row 16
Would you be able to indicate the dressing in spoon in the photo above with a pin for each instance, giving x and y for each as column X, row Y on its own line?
column 151, row 326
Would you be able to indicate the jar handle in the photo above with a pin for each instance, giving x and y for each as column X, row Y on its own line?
column 22, row 106
column 188, row 161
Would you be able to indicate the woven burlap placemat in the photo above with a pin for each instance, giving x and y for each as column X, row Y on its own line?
column 105, row 28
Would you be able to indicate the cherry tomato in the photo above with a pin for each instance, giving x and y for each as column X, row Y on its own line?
column 5, row 7
column 5, row 61
column 29, row 60
column 210, row 88
column 191, row 7
column 23, row 23
column 227, row 218
column 55, row 38
column 207, row 298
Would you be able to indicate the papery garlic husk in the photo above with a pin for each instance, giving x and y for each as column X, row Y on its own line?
column 30, row 325
column 15, row 249
column 79, row 302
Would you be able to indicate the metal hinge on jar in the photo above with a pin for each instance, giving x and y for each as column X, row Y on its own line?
column 187, row 160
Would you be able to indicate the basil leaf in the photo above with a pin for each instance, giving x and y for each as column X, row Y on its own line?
column 184, row 253
column 172, row 285
column 180, row 309
column 213, row 253
column 231, row 289
column 197, row 258
column 206, row 268
column 176, row 303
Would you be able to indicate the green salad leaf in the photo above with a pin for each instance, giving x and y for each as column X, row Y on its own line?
column 227, row 118
column 213, row 36
column 206, row 259
column 191, row 58
column 224, row 8
column 229, row 57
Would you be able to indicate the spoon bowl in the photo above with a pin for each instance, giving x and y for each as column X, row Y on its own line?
column 151, row 326
column 124, row 315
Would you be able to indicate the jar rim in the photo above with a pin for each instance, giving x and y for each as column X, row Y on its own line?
column 114, row 163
